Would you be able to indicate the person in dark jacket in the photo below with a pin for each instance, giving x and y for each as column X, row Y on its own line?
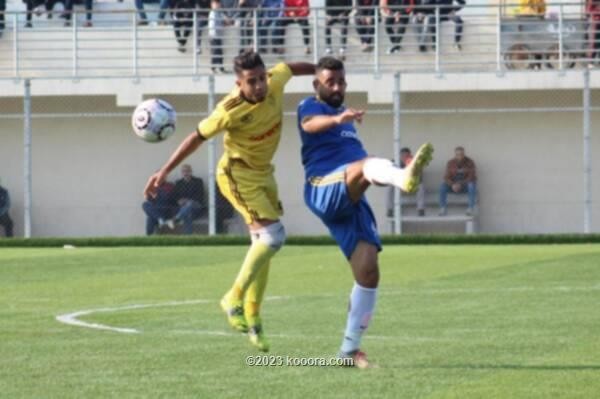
column 5, row 220
column 183, row 21
column 364, row 20
column 397, row 16
column 189, row 196
column 337, row 12
column 160, row 208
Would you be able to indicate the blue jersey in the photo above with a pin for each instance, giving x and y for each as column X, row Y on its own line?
column 326, row 151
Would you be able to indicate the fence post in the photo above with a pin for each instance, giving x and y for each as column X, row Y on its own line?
column 212, row 219
column 498, row 43
column 135, row 45
column 587, row 161
column 316, row 35
column 27, row 157
column 560, row 38
column 255, row 30
column 74, row 45
column 376, row 42
column 195, row 38
column 437, row 39
column 16, row 44
column 397, row 126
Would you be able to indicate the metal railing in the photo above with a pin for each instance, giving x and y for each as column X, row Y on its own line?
column 372, row 40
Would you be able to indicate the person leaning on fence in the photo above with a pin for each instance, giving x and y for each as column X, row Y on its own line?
column 189, row 196
column 160, row 209
column 163, row 6
column 183, row 21
column 337, row 12
column 5, row 220
column 89, row 5
column 294, row 12
column 396, row 18
column 217, row 20
column 460, row 178
column 271, row 11
column 593, row 35
column 406, row 158
column 364, row 19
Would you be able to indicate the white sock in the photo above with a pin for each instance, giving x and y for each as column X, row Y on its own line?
column 382, row 171
column 360, row 310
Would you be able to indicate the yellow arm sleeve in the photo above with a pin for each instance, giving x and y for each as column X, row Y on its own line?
column 216, row 122
column 279, row 75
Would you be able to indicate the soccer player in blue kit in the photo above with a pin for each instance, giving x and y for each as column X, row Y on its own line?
column 338, row 172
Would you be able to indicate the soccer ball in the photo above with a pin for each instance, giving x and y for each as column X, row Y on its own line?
column 153, row 120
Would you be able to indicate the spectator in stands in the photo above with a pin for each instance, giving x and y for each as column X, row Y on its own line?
column 246, row 18
column 448, row 12
column 364, row 19
column 294, row 11
column 531, row 8
column 424, row 11
column 271, row 12
column 5, row 220
column 189, row 196
column 160, row 209
column 183, row 21
column 217, row 20
column 2, row 11
column 69, row 11
column 35, row 6
column 396, row 18
column 405, row 159
column 337, row 12
column 460, row 178
column 164, row 5
column 593, row 35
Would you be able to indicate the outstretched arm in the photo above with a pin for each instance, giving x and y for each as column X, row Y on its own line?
column 301, row 68
column 187, row 147
column 321, row 123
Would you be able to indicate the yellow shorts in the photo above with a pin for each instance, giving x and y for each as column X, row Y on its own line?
column 253, row 193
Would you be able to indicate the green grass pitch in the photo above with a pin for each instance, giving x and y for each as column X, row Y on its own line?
column 451, row 322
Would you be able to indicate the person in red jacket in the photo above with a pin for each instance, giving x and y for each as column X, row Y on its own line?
column 294, row 11
column 593, row 15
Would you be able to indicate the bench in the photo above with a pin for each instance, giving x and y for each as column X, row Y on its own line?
column 457, row 205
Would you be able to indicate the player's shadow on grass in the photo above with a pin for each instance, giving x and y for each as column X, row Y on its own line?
column 540, row 367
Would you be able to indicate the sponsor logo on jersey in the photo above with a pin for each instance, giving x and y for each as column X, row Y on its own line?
column 266, row 134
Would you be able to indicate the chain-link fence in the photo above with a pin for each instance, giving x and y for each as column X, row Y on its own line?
column 81, row 171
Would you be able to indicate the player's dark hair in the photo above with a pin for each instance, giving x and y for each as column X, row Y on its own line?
column 405, row 150
column 247, row 60
column 331, row 63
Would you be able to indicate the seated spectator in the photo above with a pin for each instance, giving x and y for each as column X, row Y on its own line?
column 69, row 11
column 160, row 209
column 189, row 196
column 337, row 12
column 183, row 21
column 448, row 12
column 216, row 24
column 164, row 5
column 271, row 12
column 424, row 11
column 34, row 7
column 460, row 178
column 5, row 220
column 364, row 19
column 405, row 159
column 2, row 11
column 396, row 18
column 593, row 16
column 531, row 8
column 294, row 12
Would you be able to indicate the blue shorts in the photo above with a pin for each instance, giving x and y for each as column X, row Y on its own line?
column 327, row 197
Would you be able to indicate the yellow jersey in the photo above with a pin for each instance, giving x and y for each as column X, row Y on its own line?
column 252, row 131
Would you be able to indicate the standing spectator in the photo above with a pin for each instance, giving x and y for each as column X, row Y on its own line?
column 271, row 12
column 406, row 158
column 160, row 209
column 337, row 11
column 69, row 11
column 294, row 11
column 593, row 34
column 216, row 24
column 189, row 196
column 364, row 20
column 5, row 220
column 448, row 10
column 164, row 5
column 2, row 11
column 183, row 21
column 397, row 16
column 460, row 178
column 246, row 18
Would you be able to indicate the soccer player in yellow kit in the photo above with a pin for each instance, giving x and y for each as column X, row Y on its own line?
column 251, row 116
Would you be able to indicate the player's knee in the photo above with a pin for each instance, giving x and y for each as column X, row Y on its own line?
column 272, row 235
column 369, row 276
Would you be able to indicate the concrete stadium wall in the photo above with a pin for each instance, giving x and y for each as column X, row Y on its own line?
column 88, row 173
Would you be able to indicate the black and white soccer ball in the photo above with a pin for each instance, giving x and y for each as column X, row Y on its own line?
column 154, row 120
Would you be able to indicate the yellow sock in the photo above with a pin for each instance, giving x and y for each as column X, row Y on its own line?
column 255, row 294
column 257, row 256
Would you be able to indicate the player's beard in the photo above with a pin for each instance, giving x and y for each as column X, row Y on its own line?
column 333, row 99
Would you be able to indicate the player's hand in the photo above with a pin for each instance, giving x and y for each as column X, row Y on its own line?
column 351, row 115
column 154, row 182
